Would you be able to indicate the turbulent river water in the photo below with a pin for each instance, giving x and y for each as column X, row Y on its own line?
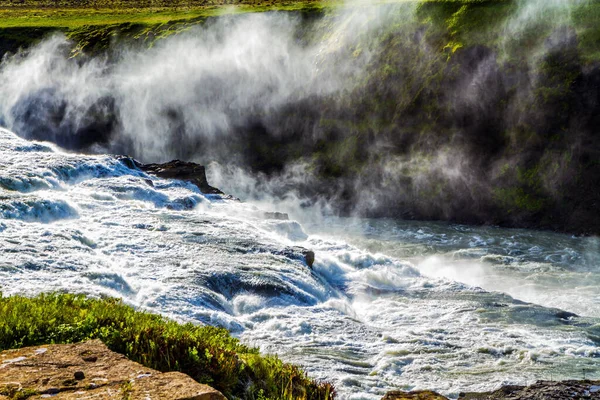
column 387, row 304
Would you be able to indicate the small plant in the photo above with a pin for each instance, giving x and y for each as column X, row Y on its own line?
column 17, row 393
column 126, row 389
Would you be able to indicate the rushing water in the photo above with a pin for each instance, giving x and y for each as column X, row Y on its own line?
column 387, row 304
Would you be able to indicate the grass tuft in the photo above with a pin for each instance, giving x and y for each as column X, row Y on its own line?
column 209, row 355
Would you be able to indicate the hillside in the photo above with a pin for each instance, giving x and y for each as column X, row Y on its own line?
column 480, row 112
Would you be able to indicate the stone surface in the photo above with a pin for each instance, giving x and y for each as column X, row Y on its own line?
column 50, row 370
column 547, row 390
column 176, row 169
column 542, row 390
column 309, row 257
column 416, row 395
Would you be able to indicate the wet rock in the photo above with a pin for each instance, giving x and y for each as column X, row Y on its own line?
column 309, row 257
column 185, row 171
column 540, row 390
column 176, row 169
column 298, row 253
column 40, row 374
column 416, row 395
column 127, row 161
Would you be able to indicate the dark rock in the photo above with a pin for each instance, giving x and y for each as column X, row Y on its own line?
column 309, row 257
column 79, row 375
column 176, row 169
column 185, row 171
column 127, row 161
column 540, row 390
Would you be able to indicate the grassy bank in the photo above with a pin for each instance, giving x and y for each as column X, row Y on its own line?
column 69, row 18
column 207, row 354
column 93, row 25
column 71, row 14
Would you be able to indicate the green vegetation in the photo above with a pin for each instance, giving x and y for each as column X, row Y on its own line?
column 208, row 354
column 72, row 18
column 93, row 24
column 71, row 14
column 486, row 83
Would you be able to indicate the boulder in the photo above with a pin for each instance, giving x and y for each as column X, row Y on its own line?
column 185, row 171
column 176, row 169
column 90, row 370
column 309, row 257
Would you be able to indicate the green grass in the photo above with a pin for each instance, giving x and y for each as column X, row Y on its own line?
column 71, row 14
column 207, row 354
column 72, row 18
column 92, row 25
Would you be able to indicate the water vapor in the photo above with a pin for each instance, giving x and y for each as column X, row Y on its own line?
column 186, row 95
column 370, row 110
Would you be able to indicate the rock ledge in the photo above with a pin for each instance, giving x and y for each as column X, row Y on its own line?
column 90, row 370
column 546, row 390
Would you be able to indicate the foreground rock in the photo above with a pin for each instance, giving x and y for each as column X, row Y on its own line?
column 90, row 370
column 545, row 390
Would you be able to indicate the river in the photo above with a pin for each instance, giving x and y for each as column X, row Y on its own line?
column 387, row 304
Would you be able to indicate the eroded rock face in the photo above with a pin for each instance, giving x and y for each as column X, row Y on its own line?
column 90, row 370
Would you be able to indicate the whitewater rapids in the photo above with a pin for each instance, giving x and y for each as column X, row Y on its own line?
column 387, row 305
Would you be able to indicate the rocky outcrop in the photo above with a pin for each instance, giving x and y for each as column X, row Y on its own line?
column 541, row 390
column 309, row 257
column 176, row 169
column 90, row 370
column 547, row 390
column 185, row 171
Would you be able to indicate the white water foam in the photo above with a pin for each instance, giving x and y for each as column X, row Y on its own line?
column 385, row 305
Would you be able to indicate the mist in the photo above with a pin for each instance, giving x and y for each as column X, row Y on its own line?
column 365, row 110
column 193, row 89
